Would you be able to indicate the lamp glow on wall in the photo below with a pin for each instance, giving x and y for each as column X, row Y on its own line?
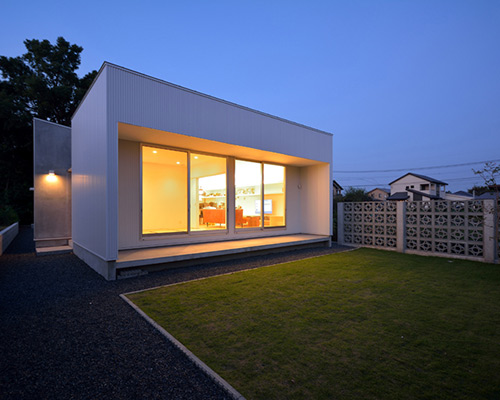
column 51, row 177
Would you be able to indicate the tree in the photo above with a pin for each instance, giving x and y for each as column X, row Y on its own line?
column 353, row 194
column 491, row 176
column 478, row 190
column 41, row 83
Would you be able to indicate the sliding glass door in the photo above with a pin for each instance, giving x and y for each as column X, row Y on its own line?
column 252, row 209
column 248, row 198
column 164, row 191
column 208, row 192
column 185, row 192
column 274, row 195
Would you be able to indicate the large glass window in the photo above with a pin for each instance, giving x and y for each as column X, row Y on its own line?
column 171, row 197
column 274, row 195
column 248, row 199
column 164, row 190
column 253, row 210
column 208, row 192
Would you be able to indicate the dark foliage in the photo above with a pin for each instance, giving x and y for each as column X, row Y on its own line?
column 41, row 83
column 351, row 194
column 478, row 190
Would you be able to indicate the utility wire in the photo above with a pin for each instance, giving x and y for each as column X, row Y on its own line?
column 385, row 184
column 414, row 169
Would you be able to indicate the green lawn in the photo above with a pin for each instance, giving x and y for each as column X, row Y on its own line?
column 365, row 324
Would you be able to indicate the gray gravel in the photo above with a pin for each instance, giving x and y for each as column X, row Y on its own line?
column 66, row 334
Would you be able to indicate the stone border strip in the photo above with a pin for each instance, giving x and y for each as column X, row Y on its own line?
column 204, row 367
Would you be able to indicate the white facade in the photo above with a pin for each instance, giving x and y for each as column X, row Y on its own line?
column 124, row 110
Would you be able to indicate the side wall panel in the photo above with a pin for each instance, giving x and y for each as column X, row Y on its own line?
column 316, row 199
column 129, row 189
column 52, row 197
column 90, row 172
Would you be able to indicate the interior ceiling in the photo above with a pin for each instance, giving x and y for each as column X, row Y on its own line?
column 154, row 136
column 200, row 165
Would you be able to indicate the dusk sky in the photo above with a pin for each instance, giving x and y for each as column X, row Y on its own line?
column 400, row 84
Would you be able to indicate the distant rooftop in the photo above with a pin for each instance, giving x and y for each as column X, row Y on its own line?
column 462, row 193
column 398, row 196
column 427, row 178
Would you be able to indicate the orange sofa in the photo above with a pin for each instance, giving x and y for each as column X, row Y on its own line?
column 217, row 216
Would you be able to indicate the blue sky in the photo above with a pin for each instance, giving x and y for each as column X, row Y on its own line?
column 401, row 84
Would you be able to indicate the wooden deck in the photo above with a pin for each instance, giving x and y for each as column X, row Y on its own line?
column 161, row 255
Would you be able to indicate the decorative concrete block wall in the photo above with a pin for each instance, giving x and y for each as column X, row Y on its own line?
column 456, row 229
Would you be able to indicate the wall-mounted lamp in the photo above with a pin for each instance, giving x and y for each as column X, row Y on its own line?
column 51, row 177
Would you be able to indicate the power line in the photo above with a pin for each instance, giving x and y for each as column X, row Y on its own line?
column 414, row 169
column 385, row 184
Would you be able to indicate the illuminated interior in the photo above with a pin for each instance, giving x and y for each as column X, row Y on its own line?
column 274, row 195
column 208, row 192
column 251, row 208
column 248, row 198
column 164, row 190
column 259, row 192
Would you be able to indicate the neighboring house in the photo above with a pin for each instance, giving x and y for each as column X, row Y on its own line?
column 155, row 165
column 416, row 187
column 379, row 194
column 337, row 189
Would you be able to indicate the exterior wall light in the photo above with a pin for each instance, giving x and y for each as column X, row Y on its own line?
column 51, row 177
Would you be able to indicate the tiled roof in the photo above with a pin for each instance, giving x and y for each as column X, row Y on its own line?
column 398, row 196
column 487, row 196
column 430, row 196
column 426, row 178
column 462, row 193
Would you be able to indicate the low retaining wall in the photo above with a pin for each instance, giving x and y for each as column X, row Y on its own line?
column 7, row 236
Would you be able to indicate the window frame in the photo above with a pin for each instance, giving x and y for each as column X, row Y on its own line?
column 188, row 231
column 230, row 180
column 262, row 226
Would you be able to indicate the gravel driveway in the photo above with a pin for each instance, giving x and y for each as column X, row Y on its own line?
column 66, row 334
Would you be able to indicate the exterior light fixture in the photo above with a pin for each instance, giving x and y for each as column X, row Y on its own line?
column 51, row 177
column 154, row 152
column 178, row 162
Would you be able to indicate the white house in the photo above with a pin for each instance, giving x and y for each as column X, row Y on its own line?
column 415, row 187
column 161, row 173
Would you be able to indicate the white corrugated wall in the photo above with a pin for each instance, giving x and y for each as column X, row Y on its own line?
column 139, row 100
column 92, row 169
column 100, row 204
